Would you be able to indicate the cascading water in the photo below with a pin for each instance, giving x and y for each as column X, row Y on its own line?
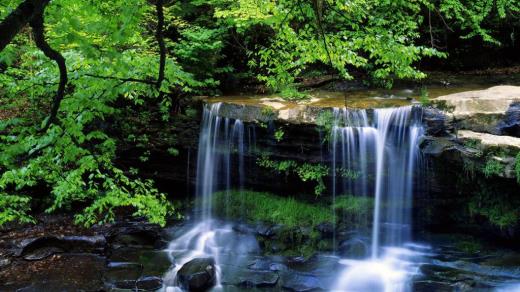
column 220, row 160
column 384, row 154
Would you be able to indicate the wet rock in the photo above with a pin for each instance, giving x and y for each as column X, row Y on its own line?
column 481, row 110
column 4, row 262
column 259, row 265
column 326, row 230
column 277, row 267
column 267, row 230
column 41, row 247
column 252, row 279
column 149, row 283
column 435, row 122
column 353, row 248
column 510, row 125
column 41, row 253
column 243, row 228
column 122, row 274
column 197, row 274
column 490, row 141
column 135, row 234
column 62, row 272
column 428, row 286
column 301, row 282
column 153, row 262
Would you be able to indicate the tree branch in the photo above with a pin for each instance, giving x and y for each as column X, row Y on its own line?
column 17, row 19
column 38, row 28
column 160, row 40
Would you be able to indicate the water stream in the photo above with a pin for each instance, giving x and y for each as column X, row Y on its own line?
column 383, row 153
column 220, row 164
column 374, row 154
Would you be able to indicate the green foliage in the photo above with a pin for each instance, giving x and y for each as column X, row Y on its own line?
column 14, row 208
column 268, row 113
column 375, row 36
column 493, row 167
column 469, row 246
column 348, row 173
column 424, row 98
column 278, row 135
column 305, row 171
column 325, row 123
column 269, row 208
column 291, row 93
column 106, row 47
column 517, row 167
column 500, row 211
column 353, row 207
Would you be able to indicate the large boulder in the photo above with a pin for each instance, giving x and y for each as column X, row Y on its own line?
column 301, row 282
column 481, row 110
column 197, row 275
column 38, row 248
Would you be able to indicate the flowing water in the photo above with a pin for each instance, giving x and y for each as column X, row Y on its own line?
column 220, row 164
column 384, row 153
column 374, row 155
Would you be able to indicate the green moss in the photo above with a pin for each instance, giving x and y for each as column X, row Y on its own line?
column 492, row 168
column 517, row 167
column 354, row 205
column 499, row 211
column 469, row 246
column 472, row 143
column 269, row 208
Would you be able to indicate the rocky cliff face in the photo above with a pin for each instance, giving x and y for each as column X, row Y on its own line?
column 470, row 146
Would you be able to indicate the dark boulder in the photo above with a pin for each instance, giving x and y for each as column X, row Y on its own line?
column 4, row 262
column 326, row 230
column 197, row 275
column 353, row 248
column 510, row 125
column 250, row 279
column 135, row 234
column 41, row 253
column 122, row 274
column 301, row 282
column 38, row 248
column 149, row 284
column 435, row 122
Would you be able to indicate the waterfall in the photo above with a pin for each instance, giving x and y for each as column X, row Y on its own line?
column 220, row 166
column 219, row 139
column 384, row 152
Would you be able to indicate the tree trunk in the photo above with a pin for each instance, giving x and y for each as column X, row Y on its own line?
column 17, row 19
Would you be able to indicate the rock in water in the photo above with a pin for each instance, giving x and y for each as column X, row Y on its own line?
column 197, row 274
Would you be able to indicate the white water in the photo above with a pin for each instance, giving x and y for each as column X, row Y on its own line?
column 219, row 139
column 384, row 152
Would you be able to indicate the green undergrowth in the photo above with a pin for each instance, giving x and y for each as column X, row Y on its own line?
column 354, row 206
column 517, row 167
column 296, row 220
column 501, row 210
column 265, row 207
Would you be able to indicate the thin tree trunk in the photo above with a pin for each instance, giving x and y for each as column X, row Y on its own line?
column 37, row 24
column 160, row 40
column 17, row 19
